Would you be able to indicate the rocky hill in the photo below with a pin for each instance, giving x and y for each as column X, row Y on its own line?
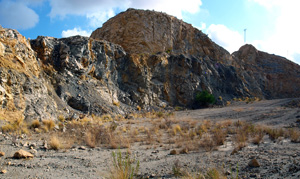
column 144, row 31
column 160, row 62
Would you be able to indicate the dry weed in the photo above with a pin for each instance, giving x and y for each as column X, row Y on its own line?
column 219, row 136
column 274, row 134
column 90, row 139
column 48, row 125
column 18, row 126
column 176, row 129
column 54, row 143
column 294, row 135
column 240, row 138
column 207, row 142
column 35, row 124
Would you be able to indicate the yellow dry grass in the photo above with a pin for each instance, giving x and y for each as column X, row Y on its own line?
column 55, row 143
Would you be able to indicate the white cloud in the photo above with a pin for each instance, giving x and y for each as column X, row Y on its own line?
column 62, row 8
column 98, row 18
column 75, row 31
column 201, row 27
column 17, row 15
column 227, row 38
column 284, row 39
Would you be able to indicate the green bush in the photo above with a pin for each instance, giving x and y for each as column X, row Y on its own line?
column 204, row 98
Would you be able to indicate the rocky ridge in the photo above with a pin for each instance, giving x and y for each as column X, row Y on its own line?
column 79, row 76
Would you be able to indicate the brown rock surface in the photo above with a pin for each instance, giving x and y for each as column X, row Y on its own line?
column 23, row 90
column 145, row 31
column 276, row 76
column 16, row 53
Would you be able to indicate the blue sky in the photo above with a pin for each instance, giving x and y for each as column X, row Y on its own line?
column 272, row 25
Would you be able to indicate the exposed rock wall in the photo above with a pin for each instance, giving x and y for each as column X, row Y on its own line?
column 80, row 76
column 23, row 89
column 144, row 31
column 276, row 76
column 83, row 73
column 92, row 76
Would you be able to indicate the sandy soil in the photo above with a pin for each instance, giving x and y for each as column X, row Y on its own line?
column 277, row 159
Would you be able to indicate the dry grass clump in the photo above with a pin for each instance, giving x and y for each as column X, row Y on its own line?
column 258, row 135
column 35, row 124
column 61, row 118
column 55, row 143
column 48, row 125
column 212, row 173
column 90, row 139
column 106, row 118
column 18, row 126
column 219, row 135
column 149, row 138
column 176, row 129
column 94, row 134
column 207, row 142
column 166, row 124
column 241, row 138
column 274, row 134
column 294, row 135
column 124, row 166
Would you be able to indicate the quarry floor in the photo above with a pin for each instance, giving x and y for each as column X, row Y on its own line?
column 277, row 159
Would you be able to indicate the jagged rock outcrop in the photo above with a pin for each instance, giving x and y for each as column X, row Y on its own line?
column 23, row 89
column 256, row 73
column 276, row 76
column 79, row 76
column 92, row 76
column 145, row 31
column 83, row 73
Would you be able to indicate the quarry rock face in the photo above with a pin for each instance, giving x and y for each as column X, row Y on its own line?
column 144, row 31
column 83, row 73
column 276, row 76
column 125, row 66
column 23, row 88
column 96, row 77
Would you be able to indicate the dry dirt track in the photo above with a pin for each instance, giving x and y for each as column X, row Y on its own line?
column 279, row 159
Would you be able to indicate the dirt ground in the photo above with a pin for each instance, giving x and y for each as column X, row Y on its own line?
column 278, row 158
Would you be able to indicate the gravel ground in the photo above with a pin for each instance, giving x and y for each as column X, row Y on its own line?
column 277, row 159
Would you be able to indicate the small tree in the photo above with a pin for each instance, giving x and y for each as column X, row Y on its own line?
column 204, row 98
